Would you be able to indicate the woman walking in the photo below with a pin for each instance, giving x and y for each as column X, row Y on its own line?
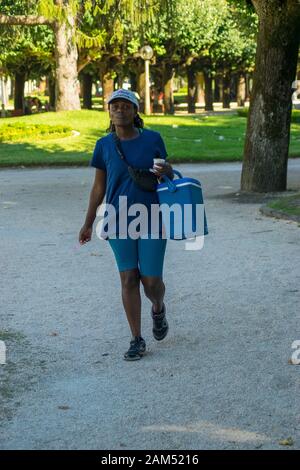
column 139, row 260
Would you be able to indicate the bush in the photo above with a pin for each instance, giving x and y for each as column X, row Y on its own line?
column 295, row 114
column 21, row 131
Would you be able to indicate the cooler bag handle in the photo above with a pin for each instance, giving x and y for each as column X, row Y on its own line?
column 171, row 186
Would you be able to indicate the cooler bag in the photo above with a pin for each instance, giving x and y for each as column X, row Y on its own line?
column 189, row 218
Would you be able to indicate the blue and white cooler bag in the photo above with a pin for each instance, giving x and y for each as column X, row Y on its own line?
column 182, row 207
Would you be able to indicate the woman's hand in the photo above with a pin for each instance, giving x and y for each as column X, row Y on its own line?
column 163, row 169
column 85, row 234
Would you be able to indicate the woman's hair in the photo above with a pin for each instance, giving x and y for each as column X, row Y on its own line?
column 137, row 122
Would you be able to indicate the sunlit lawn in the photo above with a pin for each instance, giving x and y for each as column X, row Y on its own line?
column 187, row 138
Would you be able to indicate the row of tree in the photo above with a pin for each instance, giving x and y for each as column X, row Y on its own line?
column 69, row 40
column 103, row 37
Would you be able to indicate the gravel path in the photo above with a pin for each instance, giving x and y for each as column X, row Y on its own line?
column 220, row 380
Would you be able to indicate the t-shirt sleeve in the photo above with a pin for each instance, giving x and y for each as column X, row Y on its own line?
column 97, row 160
column 161, row 148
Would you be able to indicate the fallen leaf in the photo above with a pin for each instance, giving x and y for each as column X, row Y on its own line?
column 287, row 442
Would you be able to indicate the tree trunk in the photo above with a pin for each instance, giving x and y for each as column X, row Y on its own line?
column 233, row 87
column 218, row 90
column 51, row 90
column 116, row 82
column 208, row 93
column 107, row 87
column 248, row 90
column 226, row 79
column 12, row 88
column 141, row 83
column 3, row 90
column 168, row 74
column 19, row 91
column 29, row 20
column 87, row 83
column 67, row 84
column 241, row 89
column 120, row 79
column 200, row 88
column 191, row 76
column 133, row 81
column 268, row 128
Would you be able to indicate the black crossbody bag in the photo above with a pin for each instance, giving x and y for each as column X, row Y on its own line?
column 143, row 177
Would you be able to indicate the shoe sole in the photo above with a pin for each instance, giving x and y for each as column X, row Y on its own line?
column 135, row 358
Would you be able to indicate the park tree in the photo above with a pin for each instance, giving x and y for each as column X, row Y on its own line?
column 268, row 128
column 219, row 39
column 161, row 33
column 179, row 32
column 233, row 54
column 30, row 58
column 66, row 17
column 25, row 53
column 25, row 63
column 244, row 16
column 199, row 36
column 60, row 15
column 117, row 26
column 198, row 29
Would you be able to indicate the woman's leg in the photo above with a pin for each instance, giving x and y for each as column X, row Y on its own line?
column 151, row 254
column 131, row 298
column 126, row 255
column 151, row 258
column 154, row 289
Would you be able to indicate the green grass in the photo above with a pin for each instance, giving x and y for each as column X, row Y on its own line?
column 197, row 138
column 180, row 96
column 295, row 114
column 289, row 204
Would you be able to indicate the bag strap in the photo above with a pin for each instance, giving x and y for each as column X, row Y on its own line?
column 119, row 148
column 117, row 142
column 177, row 173
column 171, row 186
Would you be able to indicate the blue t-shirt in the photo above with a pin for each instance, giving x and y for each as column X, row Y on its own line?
column 139, row 153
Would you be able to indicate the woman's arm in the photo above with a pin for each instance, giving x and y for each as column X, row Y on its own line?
column 96, row 197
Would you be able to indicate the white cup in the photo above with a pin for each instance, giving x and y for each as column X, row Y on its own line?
column 158, row 161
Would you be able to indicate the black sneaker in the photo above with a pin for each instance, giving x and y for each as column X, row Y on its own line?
column 160, row 324
column 136, row 350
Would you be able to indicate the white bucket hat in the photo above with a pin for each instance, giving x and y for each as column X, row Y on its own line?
column 125, row 95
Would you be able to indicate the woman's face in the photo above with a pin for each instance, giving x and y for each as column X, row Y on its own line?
column 122, row 112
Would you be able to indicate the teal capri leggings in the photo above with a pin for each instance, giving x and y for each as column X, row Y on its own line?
column 145, row 254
